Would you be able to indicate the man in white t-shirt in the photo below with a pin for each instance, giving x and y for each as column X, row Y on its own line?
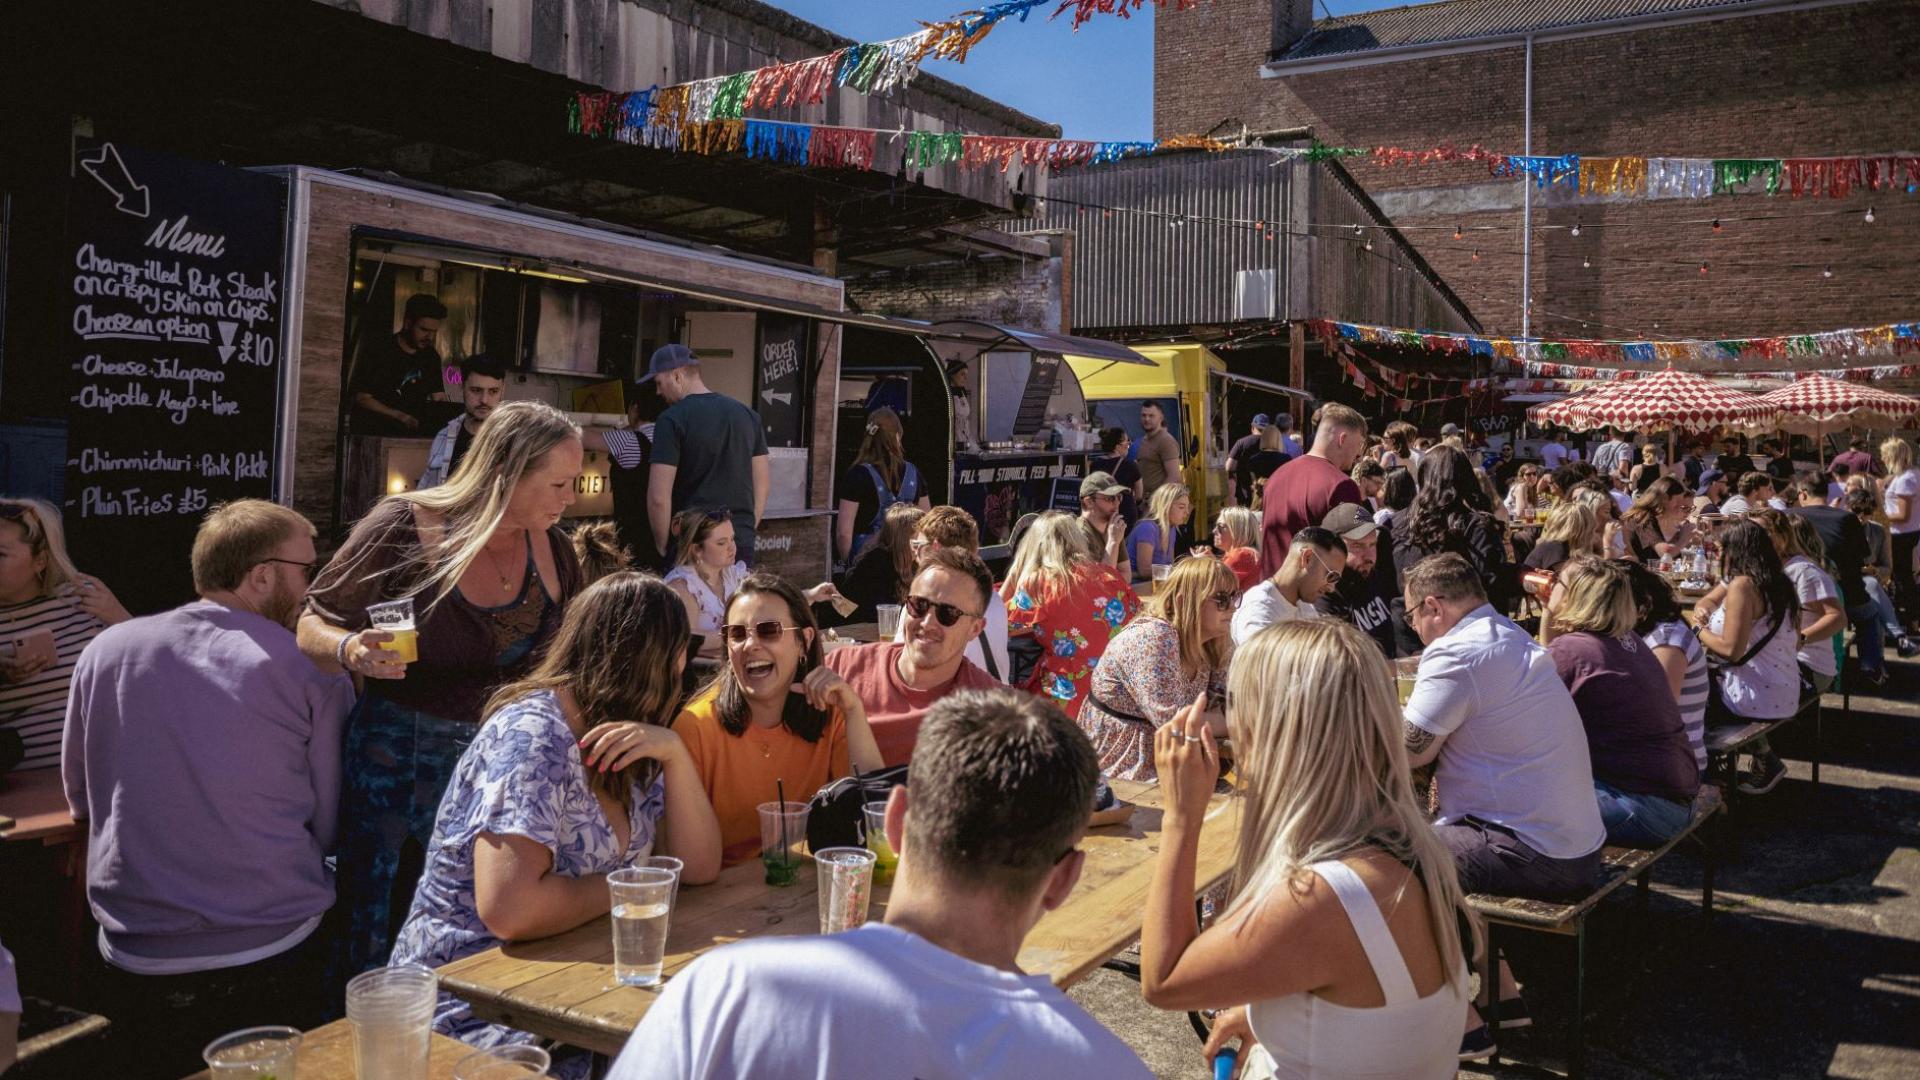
column 1315, row 559
column 1515, row 780
column 1553, row 452
column 997, row 799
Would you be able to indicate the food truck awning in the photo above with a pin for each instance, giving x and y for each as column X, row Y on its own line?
column 1040, row 342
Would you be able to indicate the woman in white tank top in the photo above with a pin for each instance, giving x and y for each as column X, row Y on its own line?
column 1342, row 951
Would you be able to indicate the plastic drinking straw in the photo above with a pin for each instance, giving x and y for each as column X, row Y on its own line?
column 780, row 789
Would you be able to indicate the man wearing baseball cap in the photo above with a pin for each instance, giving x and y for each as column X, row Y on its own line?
column 709, row 452
column 1712, row 492
column 1367, row 584
column 1238, row 457
column 1100, row 516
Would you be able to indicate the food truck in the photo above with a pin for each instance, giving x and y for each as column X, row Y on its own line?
column 1207, row 407
column 994, row 416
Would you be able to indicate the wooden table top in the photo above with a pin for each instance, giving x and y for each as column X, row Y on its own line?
column 562, row 987
column 326, row 1053
column 37, row 805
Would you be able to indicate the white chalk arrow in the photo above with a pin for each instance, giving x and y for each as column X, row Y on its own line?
column 106, row 166
column 225, row 351
column 227, row 330
column 784, row 397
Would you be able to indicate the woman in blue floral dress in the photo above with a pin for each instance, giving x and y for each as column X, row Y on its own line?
column 574, row 774
column 1069, row 601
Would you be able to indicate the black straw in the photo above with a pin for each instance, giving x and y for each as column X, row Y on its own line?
column 780, row 789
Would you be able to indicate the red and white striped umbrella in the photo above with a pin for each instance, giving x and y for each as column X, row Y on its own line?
column 1676, row 400
column 1562, row 413
column 1819, row 403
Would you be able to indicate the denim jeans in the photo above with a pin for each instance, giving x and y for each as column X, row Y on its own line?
column 1866, row 631
column 1639, row 821
column 1883, row 604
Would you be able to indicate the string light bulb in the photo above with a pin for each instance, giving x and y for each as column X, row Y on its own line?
column 1576, row 228
column 1827, row 272
column 1586, row 263
column 1703, row 269
column 1457, row 232
column 1716, row 224
column 1869, row 215
column 1476, row 254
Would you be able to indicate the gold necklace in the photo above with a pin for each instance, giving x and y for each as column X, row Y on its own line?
column 505, row 582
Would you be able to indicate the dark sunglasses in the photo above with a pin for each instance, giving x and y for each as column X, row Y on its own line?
column 1225, row 600
column 738, row 633
column 309, row 568
column 918, row 606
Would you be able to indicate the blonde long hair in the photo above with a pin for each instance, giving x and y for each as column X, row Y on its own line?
column 473, row 501
column 44, row 536
column 1323, row 773
column 1897, row 454
column 1190, row 586
column 1242, row 526
column 1050, row 554
column 1574, row 524
column 1160, row 508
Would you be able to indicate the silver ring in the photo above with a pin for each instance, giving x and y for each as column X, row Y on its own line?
column 1191, row 738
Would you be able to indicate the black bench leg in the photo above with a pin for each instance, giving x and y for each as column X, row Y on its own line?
column 1816, row 747
column 1707, row 860
column 1490, row 983
column 1577, row 1040
column 1645, row 883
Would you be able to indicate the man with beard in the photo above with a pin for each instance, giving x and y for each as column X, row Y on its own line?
column 202, row 750
column 1367, row 585
column 482, row 383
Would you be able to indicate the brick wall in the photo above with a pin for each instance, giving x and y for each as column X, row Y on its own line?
column 1832, row 80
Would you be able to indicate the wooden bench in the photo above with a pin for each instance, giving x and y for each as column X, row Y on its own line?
column 1570, row 919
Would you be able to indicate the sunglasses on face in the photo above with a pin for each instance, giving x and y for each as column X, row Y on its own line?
column 1225, row 600
column 918, row 606
column 307, row 568
column 1333, row 577
column 739, row 633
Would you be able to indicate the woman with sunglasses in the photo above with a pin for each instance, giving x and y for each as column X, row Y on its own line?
column 1524, row 496
column 776, row 717
column 49, row 612
column 1161, row 662
column 1237, row 537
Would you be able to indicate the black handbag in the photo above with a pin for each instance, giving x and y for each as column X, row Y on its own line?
column 837, row 815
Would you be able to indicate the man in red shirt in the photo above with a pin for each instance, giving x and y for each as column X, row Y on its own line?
column 898, row 681
column 1301, row 492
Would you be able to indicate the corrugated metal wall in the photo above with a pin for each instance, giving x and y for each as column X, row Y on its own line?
column 1180, row 265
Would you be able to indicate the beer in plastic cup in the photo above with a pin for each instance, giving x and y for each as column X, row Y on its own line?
column 884, row 858
column 259, row 1053
column 642, row 902
column 396, row 617
column 391, row 1010
column 514, row 1061
column 889, row 621
column 846, row 884
column 1160, row 573
column 783, row 829
column 1405, row 672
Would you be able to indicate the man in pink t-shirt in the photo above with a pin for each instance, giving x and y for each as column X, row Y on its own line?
column 899, row 681
column 1301, row 492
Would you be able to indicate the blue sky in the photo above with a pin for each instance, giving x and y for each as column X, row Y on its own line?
column 1096, row 84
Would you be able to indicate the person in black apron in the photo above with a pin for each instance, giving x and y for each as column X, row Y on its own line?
column 880, row 477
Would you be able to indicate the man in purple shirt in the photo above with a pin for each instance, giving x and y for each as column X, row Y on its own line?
column 203, row 751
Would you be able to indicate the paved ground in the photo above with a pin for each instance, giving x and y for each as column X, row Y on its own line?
column 1811, row 967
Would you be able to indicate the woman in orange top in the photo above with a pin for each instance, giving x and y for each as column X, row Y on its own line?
column 775, row 713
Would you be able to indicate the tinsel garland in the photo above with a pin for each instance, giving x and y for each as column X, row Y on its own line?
column 1561, row 169
column 928, row 149
column 841, row 148
column 1729, row 173
column 1613, row 175
column 1895, row 339
column 1085, row 10
column 1679, row 178
column 785, row 144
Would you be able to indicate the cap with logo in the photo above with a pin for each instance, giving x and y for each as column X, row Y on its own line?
column 1100, row 483
column 1261, row 420
column 1349, row 521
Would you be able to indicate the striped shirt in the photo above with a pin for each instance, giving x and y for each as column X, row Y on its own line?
column 1693, row 687
column 37, row 708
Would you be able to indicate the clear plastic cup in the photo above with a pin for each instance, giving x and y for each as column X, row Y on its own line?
column 883, row 854
column 783, row 832
column 391, row 1010
column 846, row 884
column 1160, row 573
column 258, row 1053
column 642, row 904
column 396, row 617
column 669, row 863
column 1406, row 671
column 517, row 1061
column 888, row 616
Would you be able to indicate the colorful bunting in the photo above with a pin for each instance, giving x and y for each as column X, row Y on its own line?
column 1545, row 357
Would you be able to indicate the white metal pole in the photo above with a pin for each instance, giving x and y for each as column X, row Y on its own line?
column 1526, row 204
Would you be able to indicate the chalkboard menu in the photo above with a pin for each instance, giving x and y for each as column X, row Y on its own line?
column 179, row 287
column 780, row 397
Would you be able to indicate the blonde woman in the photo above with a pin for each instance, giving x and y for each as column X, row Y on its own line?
column 1175, row 651
column 880, row 477
column 490, row 572
column 1342, row 950
column 1613, row 538
column 1157, row 537
column 1900, row 501
column 1644, row 774
column 1237, row 537
column 49, row 612
column 1070, row 602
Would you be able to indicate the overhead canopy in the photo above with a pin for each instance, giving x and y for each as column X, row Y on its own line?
column 1818, row 404
column 1678, row 400
column 1039, row 342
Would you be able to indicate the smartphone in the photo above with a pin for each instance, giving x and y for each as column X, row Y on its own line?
column 33, row 645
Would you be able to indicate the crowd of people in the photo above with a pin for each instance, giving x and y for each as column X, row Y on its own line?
column 279, row 794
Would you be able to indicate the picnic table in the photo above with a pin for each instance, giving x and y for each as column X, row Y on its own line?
column 51, row 847
column 33, row 806
column 562, row 987
column 326, row 1053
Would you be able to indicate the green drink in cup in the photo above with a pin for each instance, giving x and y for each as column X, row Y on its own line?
column 884, row 858
column 783, row 830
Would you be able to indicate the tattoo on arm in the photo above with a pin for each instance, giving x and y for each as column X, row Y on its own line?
column 1419, row 739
